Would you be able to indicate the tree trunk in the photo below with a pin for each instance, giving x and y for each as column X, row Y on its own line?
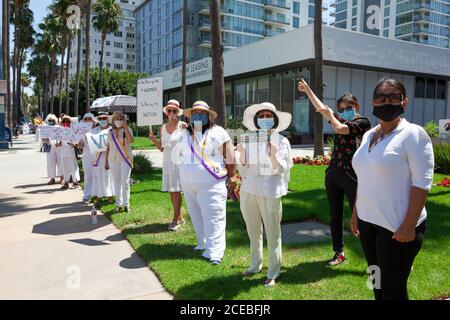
column 61, row 74
column 8, row 60
column 45, row 108
column 52, row 84
column 185, row 44
column 318, row 77
column 218, row 83
column 77, row 77
column 88, row 52
column 69, row 48
column 18, row 86
column 14, row 67
column 61, row 78
column 100, row 86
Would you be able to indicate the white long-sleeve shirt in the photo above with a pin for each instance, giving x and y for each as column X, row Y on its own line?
column 401, row 160
column 256, row 180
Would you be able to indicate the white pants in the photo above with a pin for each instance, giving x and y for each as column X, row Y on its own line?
column 52, row 163
column 70, row 169
column 88, row 175
column 121, row 173
column 258, row 211
column 206, row 204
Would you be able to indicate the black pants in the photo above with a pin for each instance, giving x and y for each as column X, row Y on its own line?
column 339, row 182
column 393, row 258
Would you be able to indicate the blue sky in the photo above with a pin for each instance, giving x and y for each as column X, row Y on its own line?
column 39, row 7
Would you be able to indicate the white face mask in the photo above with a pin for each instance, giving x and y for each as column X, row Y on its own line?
column 118, row 124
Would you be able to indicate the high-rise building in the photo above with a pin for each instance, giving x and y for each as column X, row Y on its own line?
column 421, row 21
column 159, row 27
column 120, row 46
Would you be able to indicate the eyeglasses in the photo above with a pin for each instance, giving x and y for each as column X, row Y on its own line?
column 381, row 98
column 172, row 111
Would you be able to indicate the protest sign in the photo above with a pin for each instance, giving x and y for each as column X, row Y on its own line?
column 80, row 129
column 444, row 128
column 45, row 132
column 98, row 142
column 149, row 101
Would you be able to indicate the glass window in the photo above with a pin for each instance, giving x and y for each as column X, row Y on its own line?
column 263, row 89
column 441, row 89
column 296, row 7
column 251, row 91
column 295, row 22
column 287, row 92
column 311, row 12
column 431, row 88
column 275, row 88
column 420, row 87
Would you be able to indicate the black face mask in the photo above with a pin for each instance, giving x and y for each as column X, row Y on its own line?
column 388, row 112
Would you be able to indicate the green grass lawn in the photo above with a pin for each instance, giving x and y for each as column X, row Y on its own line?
column 142, row 143
column 304, row 274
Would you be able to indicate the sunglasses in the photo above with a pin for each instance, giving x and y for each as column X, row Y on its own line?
column 169, row 111
column 395, row 97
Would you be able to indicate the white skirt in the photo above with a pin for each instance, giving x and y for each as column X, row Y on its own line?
column 102, row 185
column 171, row 173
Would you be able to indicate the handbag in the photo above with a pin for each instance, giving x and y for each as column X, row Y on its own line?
column 78, row 153
column 47, row 147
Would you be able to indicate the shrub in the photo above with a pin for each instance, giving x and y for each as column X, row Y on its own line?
column 142, row 165
column 143, row 131
column 442, row 157
column 432, row 129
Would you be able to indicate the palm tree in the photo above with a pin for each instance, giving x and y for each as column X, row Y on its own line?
column 39, row 66
column 88, row 52
column 218, row 82
column 59, row 9
column 50, row 27
column 106, row 20
column 6, row 59
column 25, row 81
column 77, row 76
column 23, row 39
column 318, row 77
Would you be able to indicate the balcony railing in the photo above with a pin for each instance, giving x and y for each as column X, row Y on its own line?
column 283, row 4
column 276, row 19
column 270, row 33
column 421, row 18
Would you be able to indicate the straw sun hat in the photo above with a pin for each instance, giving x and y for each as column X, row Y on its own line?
column 173, row 104
column 203, row 106
column 284, row 118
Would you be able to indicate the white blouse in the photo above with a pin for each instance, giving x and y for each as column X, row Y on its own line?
column 401, row 160
column 258, row 180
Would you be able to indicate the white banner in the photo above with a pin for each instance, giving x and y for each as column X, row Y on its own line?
column 98, row 142
column 150, row 101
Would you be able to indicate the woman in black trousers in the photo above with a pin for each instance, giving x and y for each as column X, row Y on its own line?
column 394, row 165
column 340, row 177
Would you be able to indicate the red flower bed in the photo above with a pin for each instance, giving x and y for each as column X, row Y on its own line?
column 318, row 161
column 444, row 183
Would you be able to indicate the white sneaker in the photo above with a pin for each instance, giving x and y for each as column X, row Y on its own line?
column 94, row 219
column 199, row 248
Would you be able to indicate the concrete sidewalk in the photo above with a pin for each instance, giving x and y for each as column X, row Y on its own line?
column 48, row 247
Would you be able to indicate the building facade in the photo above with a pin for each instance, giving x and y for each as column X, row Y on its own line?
column 120, row 47
column 159, row 27
column 420, row 21
column 262, row 72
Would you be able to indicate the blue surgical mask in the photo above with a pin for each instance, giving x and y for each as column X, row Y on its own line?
column 348, row 115
column 266, row 123
column 200, row 117
column 103, row 123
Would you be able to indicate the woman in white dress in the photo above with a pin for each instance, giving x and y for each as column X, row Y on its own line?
column 87, row 159
column 102, row 186
column 120, row 158
column 171, row 134
column 68, row 158
column 50, row 149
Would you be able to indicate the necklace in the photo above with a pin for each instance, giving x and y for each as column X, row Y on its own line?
column 380, row 134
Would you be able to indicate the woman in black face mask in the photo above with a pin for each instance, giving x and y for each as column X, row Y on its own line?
column 394, row 166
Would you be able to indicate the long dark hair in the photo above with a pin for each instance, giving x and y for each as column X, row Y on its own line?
column 392, row 83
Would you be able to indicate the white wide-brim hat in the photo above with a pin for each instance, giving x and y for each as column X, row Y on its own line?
column 51, row 116
column 284, row 118
column 200, row 105
column 173, row 104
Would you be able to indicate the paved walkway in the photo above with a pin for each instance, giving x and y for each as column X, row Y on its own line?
column 48, row 247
